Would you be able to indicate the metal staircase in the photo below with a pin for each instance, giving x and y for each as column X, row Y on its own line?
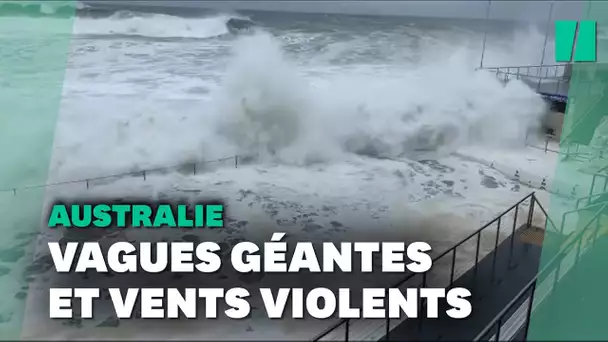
column 512, row 323
column 483, row 267
column 504, row 279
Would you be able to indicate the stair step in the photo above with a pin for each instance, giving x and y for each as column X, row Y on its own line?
column 532, row 235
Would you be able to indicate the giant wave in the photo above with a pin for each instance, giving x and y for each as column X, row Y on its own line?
column 128, row 23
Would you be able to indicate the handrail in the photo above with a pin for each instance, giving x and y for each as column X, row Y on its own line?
column 531, row 196
column 482, row 227
column 507, row 308
column 548, row 138
column 142, row 173
column 578, row 201
column 533, row 71
column 524, row 66
column 527, row 76
column 548, row 218
column 532, row 283
column 575, row 211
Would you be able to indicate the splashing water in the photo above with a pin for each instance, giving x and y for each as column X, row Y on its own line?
column 267, row 107
column 293, row 96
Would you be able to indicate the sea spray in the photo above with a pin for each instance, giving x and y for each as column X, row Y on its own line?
column 270, row 107
column 266, row 108
column 153, row 102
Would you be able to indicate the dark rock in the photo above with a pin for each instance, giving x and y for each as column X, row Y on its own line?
column 489, row 182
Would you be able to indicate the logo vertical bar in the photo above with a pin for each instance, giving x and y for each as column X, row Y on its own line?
column 565, row 33
column 586, row 42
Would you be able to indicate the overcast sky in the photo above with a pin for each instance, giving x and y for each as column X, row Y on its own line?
column 505, row 9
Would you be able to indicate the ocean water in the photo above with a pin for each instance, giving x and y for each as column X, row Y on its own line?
column 345, row 128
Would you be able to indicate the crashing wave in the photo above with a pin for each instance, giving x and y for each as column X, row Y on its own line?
column 239, row 25
column 127, row 23
column 150, row 25
column 265, row 107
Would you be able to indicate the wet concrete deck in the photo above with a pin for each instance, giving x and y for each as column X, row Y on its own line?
column 499, row 277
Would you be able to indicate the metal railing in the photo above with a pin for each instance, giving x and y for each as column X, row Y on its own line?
column 601, row 173
column 547, row 138
column 567, row 152
column 526, row 296
column 190, row 167
column 545, row 148
column 348, row 324
column 577, row 210
column 551, row 71
column 536, row 74
column 589, row 198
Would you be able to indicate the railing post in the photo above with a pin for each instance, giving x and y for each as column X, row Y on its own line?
column 453, row 266
column 597, row 231
column 420, row 319
column 495, row 248
column 388, row 327
column 556, row 278
column 513, row 235
column 578, row 248
column 563, row 225
column 476, row 257
column 346, row 330
column 591, row 189
column 498, row 329
column 531, row 211
column 530, row 218
column 388, row 319
column 529, row 313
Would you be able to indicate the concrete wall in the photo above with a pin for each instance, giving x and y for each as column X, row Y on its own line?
column 554, row 121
